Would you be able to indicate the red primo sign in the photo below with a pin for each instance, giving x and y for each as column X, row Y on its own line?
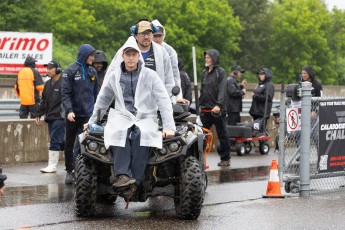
column 16, row 46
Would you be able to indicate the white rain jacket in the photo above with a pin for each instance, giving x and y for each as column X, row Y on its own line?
column 163, row 67
column 150, row 95
column 173, row 59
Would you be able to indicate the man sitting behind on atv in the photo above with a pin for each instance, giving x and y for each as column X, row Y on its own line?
column 132, row 127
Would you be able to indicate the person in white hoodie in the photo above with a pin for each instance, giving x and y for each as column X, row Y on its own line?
column 158, row 37
column 132, row 126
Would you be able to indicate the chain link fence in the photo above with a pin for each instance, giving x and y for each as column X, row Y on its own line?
column 321, row 181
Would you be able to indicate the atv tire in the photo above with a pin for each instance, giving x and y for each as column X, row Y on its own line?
column 85, row 187
column 189, row 192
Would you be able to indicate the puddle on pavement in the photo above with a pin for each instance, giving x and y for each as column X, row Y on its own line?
column 26, row 195
column 237, row 175
column 57, row 193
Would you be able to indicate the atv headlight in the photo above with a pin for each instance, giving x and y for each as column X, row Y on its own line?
column 163, row 151
column 93, row 146
column 102, row 150
column 173, row 146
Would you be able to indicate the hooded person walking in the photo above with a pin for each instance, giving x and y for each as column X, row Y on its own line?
column 212, row 92
column 79, row 89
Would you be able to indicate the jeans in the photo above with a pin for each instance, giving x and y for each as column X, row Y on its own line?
column 57, row 134
column 131, row 160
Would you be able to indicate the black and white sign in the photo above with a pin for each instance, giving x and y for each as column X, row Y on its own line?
column 293, row 121
column 332, row 135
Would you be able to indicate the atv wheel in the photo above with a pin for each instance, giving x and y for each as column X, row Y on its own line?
column 241, row 150
column 264, row 148
column 85, row 187
column 189, row 192
column 205, row 181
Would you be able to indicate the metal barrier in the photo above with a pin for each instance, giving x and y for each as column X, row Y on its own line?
column 306, row 156
column 246, row 103
column 9, row 108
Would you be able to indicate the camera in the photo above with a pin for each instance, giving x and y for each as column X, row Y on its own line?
column 294, row 92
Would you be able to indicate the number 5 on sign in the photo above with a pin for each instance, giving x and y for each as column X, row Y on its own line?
column 293, row 121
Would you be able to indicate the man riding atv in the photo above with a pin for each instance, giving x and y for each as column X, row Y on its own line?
column 132, row 126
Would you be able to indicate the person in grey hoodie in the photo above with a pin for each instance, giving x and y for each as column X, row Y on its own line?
column 132, row 126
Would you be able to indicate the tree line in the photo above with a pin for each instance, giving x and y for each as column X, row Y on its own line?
column 282, row 35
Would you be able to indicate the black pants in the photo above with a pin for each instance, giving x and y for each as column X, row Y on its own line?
column 71, row 134
column 234, row 118
column 26, row 109
column 208, row 120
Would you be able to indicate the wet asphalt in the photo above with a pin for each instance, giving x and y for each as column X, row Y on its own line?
column 233, row 200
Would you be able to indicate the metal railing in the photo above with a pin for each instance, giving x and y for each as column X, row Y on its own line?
column 302, row 151
column 9, row 108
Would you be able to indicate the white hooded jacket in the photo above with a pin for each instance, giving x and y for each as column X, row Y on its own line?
column 163, row 67
column 173, row 59
column 150, row 95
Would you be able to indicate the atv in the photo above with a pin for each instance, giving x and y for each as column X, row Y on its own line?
column 177, row 170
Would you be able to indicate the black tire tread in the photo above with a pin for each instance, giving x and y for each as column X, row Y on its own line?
column 85, row 187
column 190, row 192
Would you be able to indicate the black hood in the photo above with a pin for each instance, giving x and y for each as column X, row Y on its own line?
column 214, row 55
column 310, row 71
column 268, row 74
column 100, row 57
column 30, row 62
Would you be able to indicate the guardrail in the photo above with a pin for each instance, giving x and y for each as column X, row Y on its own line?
column 9, row 108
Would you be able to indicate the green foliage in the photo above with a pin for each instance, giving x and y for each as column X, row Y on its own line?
column 299, row 38
column 65, row 54
column 336, row 41
column 20, row 15
column 187, row 23
column 254, row 17
column 283, row 35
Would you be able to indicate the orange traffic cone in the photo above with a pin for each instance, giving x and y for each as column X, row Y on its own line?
column 273, row 186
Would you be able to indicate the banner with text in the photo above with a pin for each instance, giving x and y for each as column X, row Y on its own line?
column 332, row 135
column 16, row 46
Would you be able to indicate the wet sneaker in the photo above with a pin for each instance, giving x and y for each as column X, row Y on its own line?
column 224, row 163
column 69, row 179
column 123, row 181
